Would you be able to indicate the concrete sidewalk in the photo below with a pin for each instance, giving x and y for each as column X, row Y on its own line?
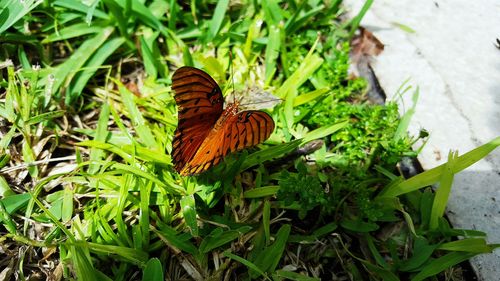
column 453, row 59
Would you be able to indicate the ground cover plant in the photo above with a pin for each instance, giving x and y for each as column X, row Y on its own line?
column 87, row 186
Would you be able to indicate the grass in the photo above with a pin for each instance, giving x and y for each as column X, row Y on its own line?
column 87, row 187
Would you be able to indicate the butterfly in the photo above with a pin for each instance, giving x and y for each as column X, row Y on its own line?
column 207, row 132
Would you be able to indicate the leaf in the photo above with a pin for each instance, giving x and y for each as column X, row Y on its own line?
column 266, row 221
column 6, row 220
column 72, row 31
column 15, row 202
column 219, row 237
column 153, row 271
column 65, row 72
column 323, row 132
column 432, row 176
column 169, row 236
column 472, row 245
column 268, row 259
column 359, row 226
column 268, row 154
column 135, row 116
column 188, row 208
column 67, row 204
column 101, row 133
column 5, row 190
column 404, row 122
column 149, row 60
column 309, row 65
column 272, row 52
column 289, row 275
column 310, row 96
column 404, row 27
column 14, row 10
column 217, row 18
column 261, row 192
column 357, row 19
column 443, row 192
column 93, row 64
column 442, row 263
column 422, row 252
column 247, row 263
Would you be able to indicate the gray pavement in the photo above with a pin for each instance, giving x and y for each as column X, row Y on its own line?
column 453, row 60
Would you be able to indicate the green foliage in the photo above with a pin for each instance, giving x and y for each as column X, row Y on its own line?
column 303, row 189
column 86, row 173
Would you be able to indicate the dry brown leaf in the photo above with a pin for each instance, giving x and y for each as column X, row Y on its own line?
column 366, row 44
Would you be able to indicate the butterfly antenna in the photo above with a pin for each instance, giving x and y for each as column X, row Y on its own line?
column 257, row 102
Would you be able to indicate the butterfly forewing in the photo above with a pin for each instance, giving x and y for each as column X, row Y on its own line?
column 200, row 104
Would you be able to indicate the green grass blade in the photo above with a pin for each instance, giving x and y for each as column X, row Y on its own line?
column 170, row 237
column 145, row 196
column 261, row 192
column 80, row 7
column 273, row 14
column 143, row 14
column 357, row 19
column 81, row 260
column 306, row 69
column 404, row 122
column 323, row 132
column 64, row 72
column 29, row 157
column 169, row 186
column 299, row 20
column 173, row 10
column 149, row 60
column 5, row 190
column 266, row 218
column 422, row 252
column 15, row 202
column 268, row 259
column 471, row 245
column 268, row 154
column 290, row 275
column 272, row 52
column 188, row 207
column 12, row 11
column 153, row 271
column 247, row 263
column 310, row 96
column 44, row 117
column 94, row 63
column 72, row 31
column 252, row 34
column 431, row 176
column 443, row 192
column 67, row 204
column 217, row 18
column 442, row 263
column 218, row 237
column 129, row 254
column 6, row 220
column 135, row 116
column 97, row 154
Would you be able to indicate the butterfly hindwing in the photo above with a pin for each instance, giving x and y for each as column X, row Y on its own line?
column 200, row 104
column 239, row 131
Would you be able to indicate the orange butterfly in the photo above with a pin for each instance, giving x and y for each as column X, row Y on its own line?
column 206, row 133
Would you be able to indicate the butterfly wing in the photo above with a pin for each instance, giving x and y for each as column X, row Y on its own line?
column 200, row 103
column 239, row 131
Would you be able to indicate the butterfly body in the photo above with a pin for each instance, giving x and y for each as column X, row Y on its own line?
column 206, row 133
